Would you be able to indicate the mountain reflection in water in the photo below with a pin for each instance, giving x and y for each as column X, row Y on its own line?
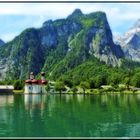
column 70, row 115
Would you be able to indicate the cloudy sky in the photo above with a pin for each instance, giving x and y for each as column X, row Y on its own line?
column 15, row 17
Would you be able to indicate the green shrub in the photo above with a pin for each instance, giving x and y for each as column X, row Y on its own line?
column 18, row 84
column 60, row 86
column 74, row 89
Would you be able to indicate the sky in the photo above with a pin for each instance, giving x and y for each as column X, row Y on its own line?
column 16, row 17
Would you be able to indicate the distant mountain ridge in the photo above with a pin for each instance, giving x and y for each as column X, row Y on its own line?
column 130, row 42
column 59, row 46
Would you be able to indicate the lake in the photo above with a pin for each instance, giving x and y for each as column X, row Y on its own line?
column 70, row 115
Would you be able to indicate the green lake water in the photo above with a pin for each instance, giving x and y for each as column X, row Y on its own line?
column 70, row 115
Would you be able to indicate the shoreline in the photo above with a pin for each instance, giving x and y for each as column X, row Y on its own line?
column 98, row 92
column 87, row 92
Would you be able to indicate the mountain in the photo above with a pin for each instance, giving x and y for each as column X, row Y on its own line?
column 1, row 42
column 130, row 42
column 59, row 46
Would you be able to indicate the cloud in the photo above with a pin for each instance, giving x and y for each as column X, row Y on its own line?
column 121, row 16
column 57, row 10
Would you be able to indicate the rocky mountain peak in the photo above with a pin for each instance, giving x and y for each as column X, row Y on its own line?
column 133, row 30
column 47, row 23
column 130, row 42
column 75, row 14
column 62, row 43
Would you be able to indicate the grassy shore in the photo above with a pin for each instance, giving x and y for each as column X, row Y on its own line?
column 18, row 91
column 108, row 92
column 91, row 91
column 99, row 91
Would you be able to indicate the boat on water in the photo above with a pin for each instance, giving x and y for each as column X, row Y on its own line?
column 33, row 85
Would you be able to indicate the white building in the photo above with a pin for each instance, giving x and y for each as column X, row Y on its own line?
column 35, row 86
column 6, row 88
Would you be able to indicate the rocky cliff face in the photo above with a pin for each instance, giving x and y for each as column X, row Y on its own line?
column 59, row 46
column 101, row 43
column 130, row 42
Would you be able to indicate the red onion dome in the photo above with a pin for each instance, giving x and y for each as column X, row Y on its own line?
column 39, row 82
column 44, row 82
column 43, row 73
column 34, row 81
column 28, row 81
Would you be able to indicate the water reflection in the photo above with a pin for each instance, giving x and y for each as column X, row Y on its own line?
column 138, row 97
column 68, row 98
column 70, row 115
column 8, row 99
column 104, row 100
column 80, row 98
column 4, row 102
column 33, row 102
